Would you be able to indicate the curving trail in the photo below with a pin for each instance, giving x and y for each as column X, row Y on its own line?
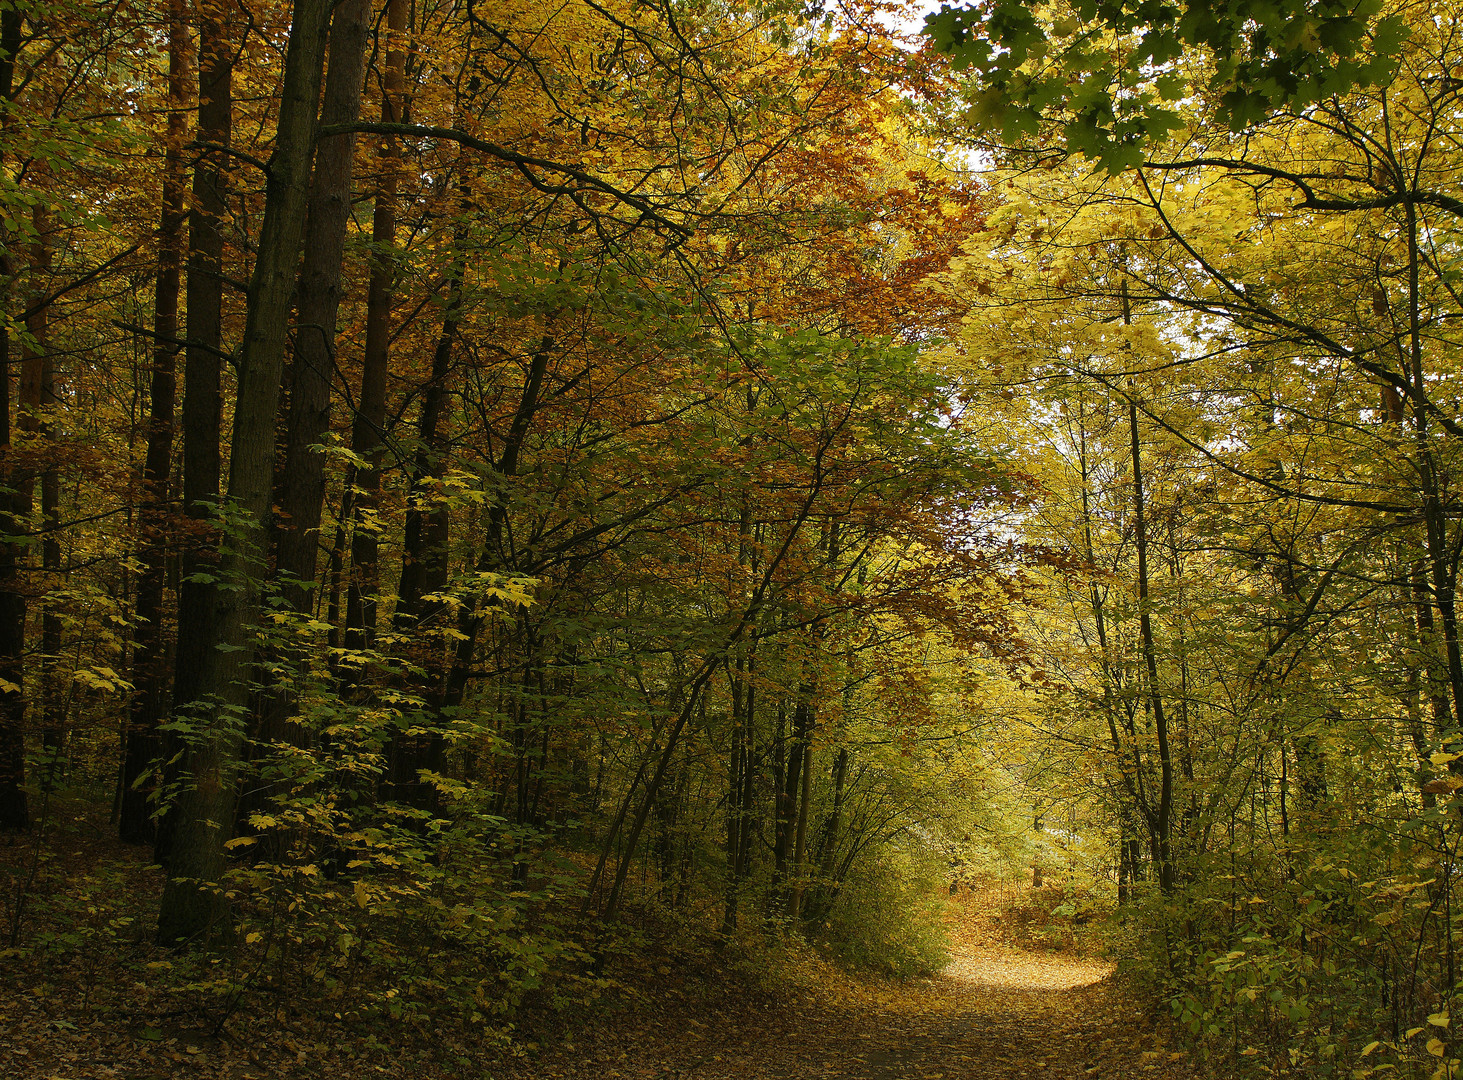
column 997, row 1012
column 1000, row 1012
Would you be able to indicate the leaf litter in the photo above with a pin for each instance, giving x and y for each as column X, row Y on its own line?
column 1000, row 1009
column 997, row 1011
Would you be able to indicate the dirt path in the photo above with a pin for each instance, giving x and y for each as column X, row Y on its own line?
column 996, row 1012
column 999, row 1013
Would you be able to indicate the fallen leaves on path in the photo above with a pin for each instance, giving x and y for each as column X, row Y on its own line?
column 994, row 966
column 997, row 1012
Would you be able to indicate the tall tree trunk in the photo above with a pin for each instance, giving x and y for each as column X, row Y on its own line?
column 368, row 425
column 1162, row 821
column 193, row 899
column 150, row 673
column 740, row 768
column 14, row 810
column 693, row 690
column 833, row 831
column 492, row 557
column 1442, row 549
column 300, row 483
column 800, row 846
column 202, row 393
column 38, row 399
column 789, row 799
column 424, row 559
column 781, row 812
column 301, row 496
column 426, row 533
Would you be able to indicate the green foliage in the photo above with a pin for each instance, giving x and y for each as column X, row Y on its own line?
column 887, row 918
column 1110, row 70
column 1328, row 962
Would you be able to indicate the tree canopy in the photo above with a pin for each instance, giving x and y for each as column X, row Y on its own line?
column 490, row 496
column 1113, row 73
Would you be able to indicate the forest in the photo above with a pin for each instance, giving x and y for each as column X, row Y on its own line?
column 510, row 511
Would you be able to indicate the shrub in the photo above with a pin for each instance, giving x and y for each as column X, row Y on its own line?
column 887, row 917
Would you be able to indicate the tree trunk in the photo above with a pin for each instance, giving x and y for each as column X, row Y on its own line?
column 740, row 776
column 202, row 400
column 150, row 673
column 14, row 810
column 800, row 847
column 1442, row 550
column 785, row 840
column 300, row 483
column 424, row 559
column 833, row 831
column 38, row 400
column 492, row 558
column 193, row 899
column 426, row 534
column 781, row 811
column 301, row 495
column 1162, row 855
column 368, row 426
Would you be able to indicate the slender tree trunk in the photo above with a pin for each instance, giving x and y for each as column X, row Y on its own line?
column 426, row 534
column 38, row 399
column 150, row 674
column 781, row 813
column 737, row 808
column 493, row 558
column 1427, row 644
column 1162, row 855
column 202, row 396
column 789, row 802
column 833, row 832
column 368, row 426
column 1162, row 818
column 424, row 558
column 1442, row 550
column 694, row 689
column 652, row 790
column 743, row 868
column 800, row 837
column 193, row 899
column 14, row 809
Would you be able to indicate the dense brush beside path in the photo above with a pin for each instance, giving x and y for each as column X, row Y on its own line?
column 86, row 997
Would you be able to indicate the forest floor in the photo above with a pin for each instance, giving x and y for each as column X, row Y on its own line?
column 86, row 996
column 999, row 1010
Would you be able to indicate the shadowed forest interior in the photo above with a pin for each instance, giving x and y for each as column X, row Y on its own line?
column 525, row 519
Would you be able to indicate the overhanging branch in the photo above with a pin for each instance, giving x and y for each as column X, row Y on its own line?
column 583, row 181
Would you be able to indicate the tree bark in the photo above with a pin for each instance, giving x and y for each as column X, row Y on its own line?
column 38, row 402
column 1162, row 822
column 193, row 899
column 800, row 846
column 301, row 496
column 424, row 559
column 739, row 782
column 202, row 395
column 14, row 807
column 369, row 423
column 150, row 674
column 300, row 482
